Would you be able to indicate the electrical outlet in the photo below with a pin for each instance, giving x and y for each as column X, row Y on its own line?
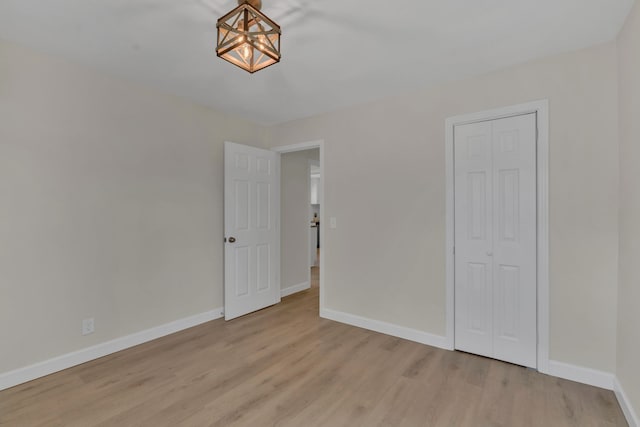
column 87, row 326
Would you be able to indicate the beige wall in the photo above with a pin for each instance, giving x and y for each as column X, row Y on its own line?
column 111, row 203
column 385, row 184
column 629, row 292
column 295, row 218
column 110, row 206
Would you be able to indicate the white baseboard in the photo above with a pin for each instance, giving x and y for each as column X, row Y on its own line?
column 557, row 369
column 627, row 408
column 385, row 328
column 41, row 369
column 293, row 289
column 581, row 374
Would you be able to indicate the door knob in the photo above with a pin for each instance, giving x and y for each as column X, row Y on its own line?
column 232, row 239
column 489, row 253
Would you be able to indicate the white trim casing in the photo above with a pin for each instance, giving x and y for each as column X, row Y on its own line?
column 450, row 236
column 41, row 369
column 541, row 109
column 627, row 408
column 581, row 374
column 309, row 146
column 295, row 289
column 386, row 328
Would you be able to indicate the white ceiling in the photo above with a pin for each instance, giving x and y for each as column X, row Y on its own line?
column 335, row 53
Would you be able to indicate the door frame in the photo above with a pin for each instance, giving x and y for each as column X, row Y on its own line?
column 541, row 109
column 310, row 145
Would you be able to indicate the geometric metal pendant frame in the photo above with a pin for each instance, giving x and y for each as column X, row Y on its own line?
column 248, row 38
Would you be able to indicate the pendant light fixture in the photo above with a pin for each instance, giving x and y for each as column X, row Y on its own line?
column 248, row 38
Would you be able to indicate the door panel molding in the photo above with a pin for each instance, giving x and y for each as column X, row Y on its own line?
column 541, row 109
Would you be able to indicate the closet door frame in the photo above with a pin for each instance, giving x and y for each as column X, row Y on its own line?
column 541, row 109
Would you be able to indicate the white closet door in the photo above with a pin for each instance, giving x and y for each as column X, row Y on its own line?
column 473, row 245
column 514, row 240
column 495, row 243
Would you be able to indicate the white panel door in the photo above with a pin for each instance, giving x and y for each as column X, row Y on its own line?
column 495, row 239
column 473, row 234
column 252, row 237
column 514, row 240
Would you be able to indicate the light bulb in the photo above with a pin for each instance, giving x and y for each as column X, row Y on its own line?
column 245, row 51
column 262, row 41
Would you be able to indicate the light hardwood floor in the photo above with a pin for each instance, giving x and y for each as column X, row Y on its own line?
column 284, row 366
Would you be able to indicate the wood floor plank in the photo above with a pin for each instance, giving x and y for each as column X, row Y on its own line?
column 285, row 366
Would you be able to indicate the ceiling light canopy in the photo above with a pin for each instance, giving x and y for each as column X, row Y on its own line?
column 248, row 38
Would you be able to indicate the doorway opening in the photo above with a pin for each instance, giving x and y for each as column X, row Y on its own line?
column 314, row 215
column 302, row 213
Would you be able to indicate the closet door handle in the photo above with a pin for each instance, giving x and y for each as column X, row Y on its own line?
column 489, row 253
